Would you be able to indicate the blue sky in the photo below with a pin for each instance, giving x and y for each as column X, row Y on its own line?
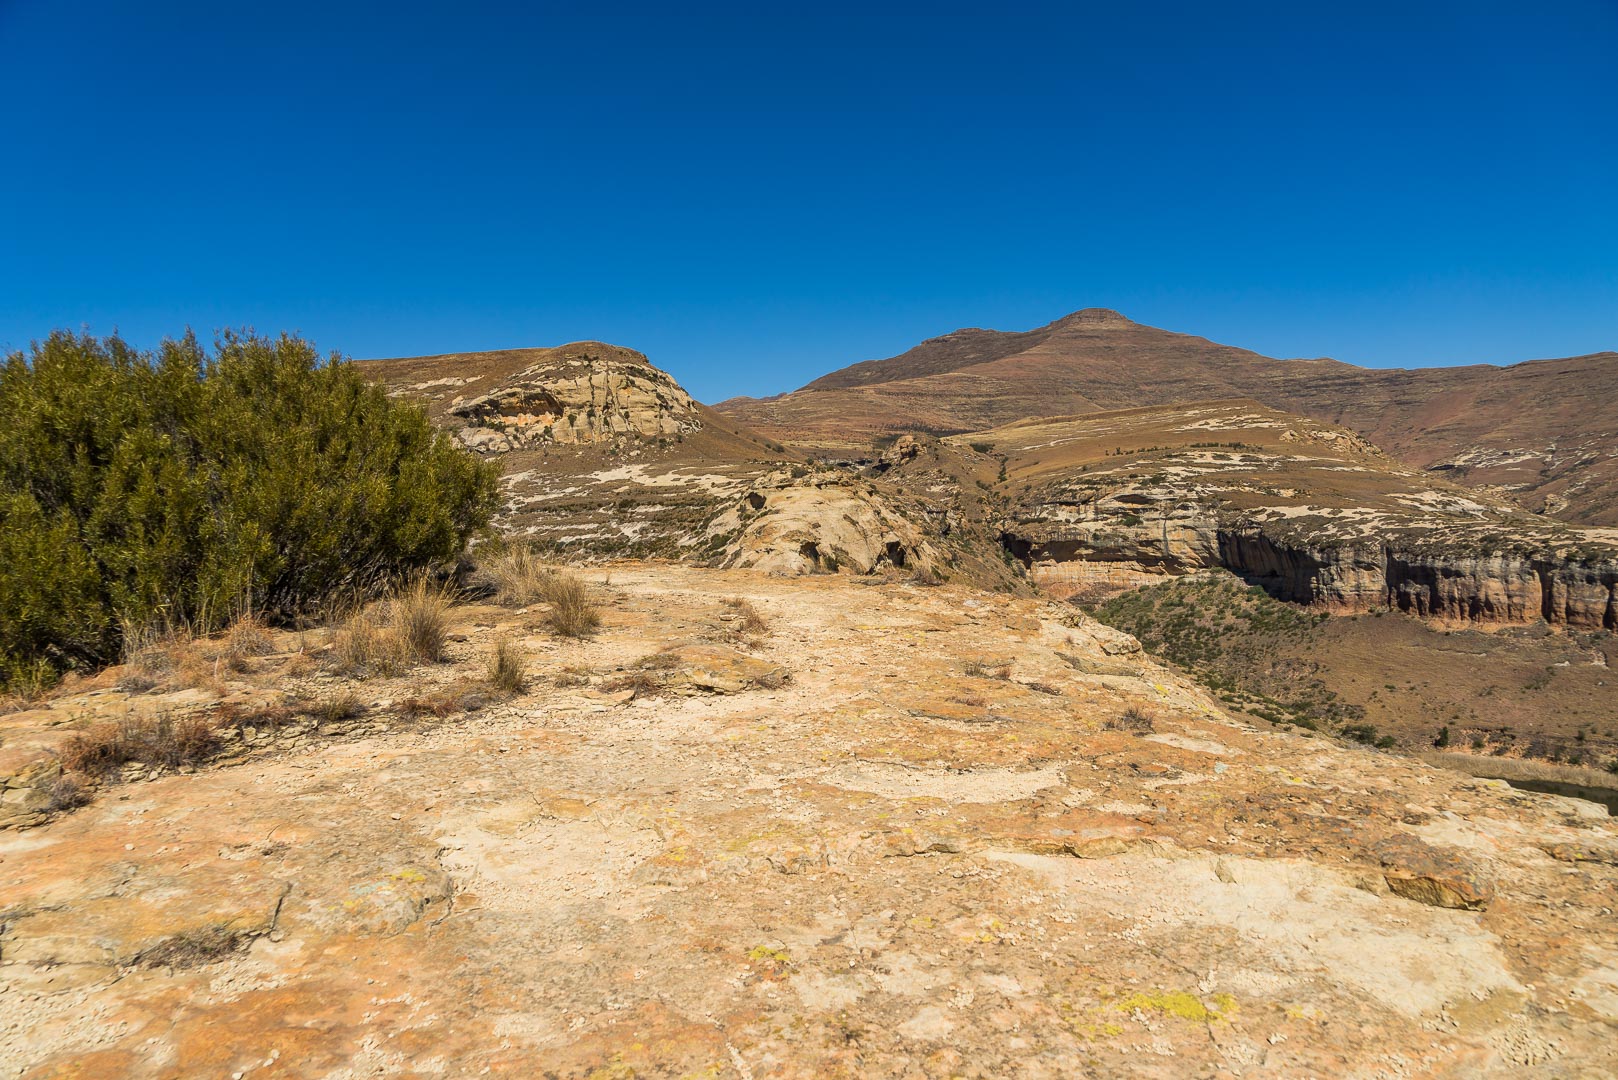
column 756, row 196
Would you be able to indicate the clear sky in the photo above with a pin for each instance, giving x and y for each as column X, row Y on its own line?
column 756, row 196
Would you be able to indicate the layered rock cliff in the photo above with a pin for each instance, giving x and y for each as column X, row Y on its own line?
column 1444, row 570
column 1312, row 514
column 578, row 395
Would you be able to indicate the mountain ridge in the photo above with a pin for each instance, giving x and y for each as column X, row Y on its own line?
column 1530, row 428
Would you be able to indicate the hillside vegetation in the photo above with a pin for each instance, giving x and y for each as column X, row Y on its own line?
column 1521, row 692
column 1227, row 634
column 186, row 485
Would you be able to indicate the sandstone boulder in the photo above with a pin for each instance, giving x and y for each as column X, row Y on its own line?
column 826, row 523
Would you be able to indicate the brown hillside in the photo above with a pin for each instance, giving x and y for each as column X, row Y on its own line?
column 1544, row 429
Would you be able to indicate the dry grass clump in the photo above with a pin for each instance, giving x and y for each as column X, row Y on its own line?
column 647, row 677
column 508, row 667
column 247, row 638
column 981, row 669
column 1508, row 768
column 192, row 948
column 573, row 613
column 167, row 655
column 750, row 619
column 420, row 616
column 518, row 575
column 261, row 718
column 1133, row 719
column 334, row 709
column 640, row 684
column 66, row 793
column 410, row 628
column 521, row 579
column 154, row 740
column 438, row 705
column 363, row 645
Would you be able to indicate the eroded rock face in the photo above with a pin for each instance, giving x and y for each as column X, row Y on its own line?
column 1313, row 514
column 1441, row 573
column 578, row 395
column 824, row 522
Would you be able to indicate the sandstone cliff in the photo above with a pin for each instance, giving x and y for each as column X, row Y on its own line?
column 1443, row 570
column 1311, row 513
column 604, row 454
column 578, row 394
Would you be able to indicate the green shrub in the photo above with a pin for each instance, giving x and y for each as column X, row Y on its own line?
column 182, row 486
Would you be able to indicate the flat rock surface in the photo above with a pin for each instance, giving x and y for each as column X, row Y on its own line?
column 908, row 859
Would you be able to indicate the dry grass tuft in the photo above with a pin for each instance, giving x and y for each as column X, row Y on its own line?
column 388, row 638
column 641, row 684
column 66, row 794
column 508, row 667
column 192, row 948
column 1509, row 768
column 334, row 709
column 1134, row 719
column 751, row 621
column 263, row 718
column 362, row 645
column 247, row 638
column 420, row 617
column 435, row 705
column 519, row 577
column 156, row 740
column 573, row 614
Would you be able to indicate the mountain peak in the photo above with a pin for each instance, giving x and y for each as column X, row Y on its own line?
column 1094, row 316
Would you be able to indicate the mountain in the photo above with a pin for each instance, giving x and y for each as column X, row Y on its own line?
column 605, row 455
column 1546, row 431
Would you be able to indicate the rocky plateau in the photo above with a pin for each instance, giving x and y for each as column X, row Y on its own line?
column 894, row 831
column 1312, row 513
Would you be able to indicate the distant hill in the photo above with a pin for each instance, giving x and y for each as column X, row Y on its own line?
column 1546, row 431
column 599, row 448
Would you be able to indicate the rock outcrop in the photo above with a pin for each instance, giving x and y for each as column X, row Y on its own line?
column 578, row 394
column 796, row 522
column 1466, row 572
column 1311, row 513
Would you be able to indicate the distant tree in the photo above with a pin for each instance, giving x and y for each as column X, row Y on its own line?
column 185, row 485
